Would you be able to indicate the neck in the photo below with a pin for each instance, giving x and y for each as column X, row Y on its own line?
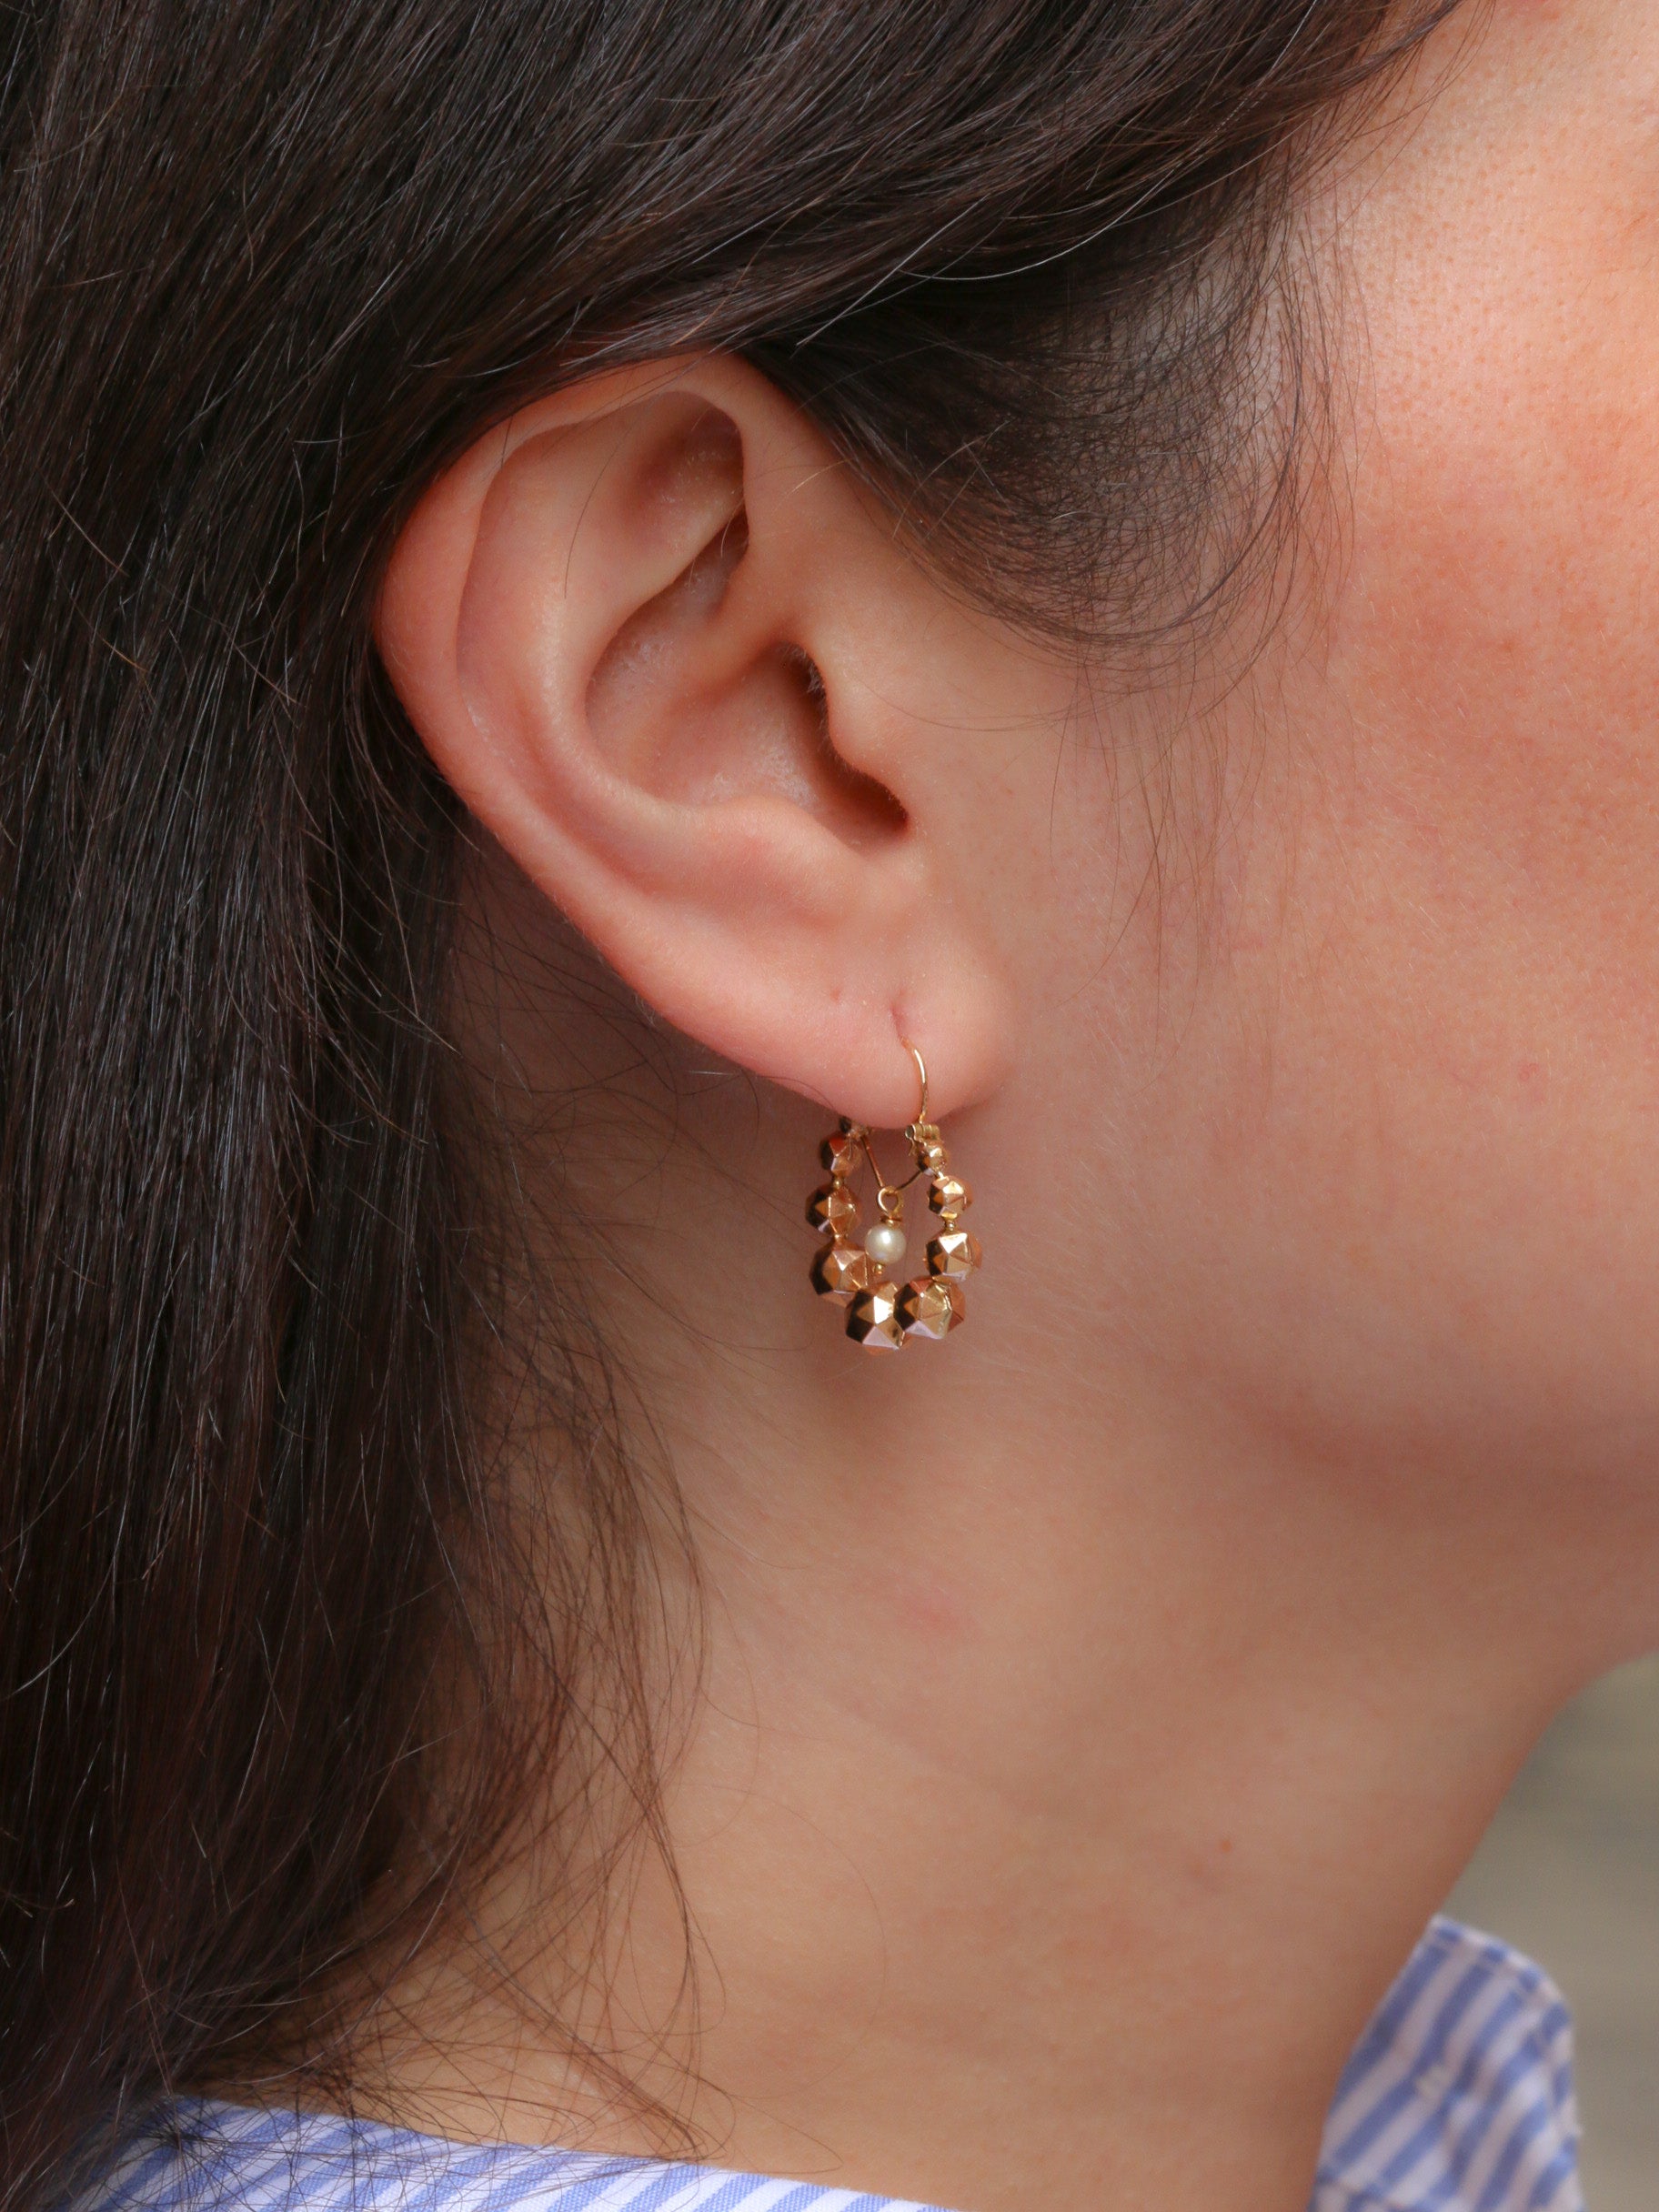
column 1061, row 1840
column 1074, row 1761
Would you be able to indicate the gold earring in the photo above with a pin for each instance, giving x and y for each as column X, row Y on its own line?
column 853, row 1271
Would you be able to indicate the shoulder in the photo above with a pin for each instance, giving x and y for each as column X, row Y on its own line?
column 1460, row 2095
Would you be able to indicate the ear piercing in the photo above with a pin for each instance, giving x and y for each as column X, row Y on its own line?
column 856, row 1272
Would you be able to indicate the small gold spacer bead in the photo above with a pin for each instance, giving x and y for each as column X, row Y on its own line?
column 950, row 1195
column 839, row 1153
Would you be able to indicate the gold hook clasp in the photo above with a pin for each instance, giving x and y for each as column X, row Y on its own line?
column 922, row 1076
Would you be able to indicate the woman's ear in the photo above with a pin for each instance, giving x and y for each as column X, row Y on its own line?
column 676, row 664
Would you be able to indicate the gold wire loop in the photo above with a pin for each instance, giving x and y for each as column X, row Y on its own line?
column 890, row 1196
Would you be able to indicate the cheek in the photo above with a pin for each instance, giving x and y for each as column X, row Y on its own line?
column 1495, row 657
column 1497, row 643
column 1380, row 1157
column 1444, row 1214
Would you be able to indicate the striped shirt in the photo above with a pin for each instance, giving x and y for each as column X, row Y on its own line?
column 1458, row 2099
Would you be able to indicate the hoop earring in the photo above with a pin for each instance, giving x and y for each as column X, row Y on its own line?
column 853, row 1271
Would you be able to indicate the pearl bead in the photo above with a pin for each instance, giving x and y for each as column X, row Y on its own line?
column 885, row 1244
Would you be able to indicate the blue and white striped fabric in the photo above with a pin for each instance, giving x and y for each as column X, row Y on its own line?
column 1458, row 2099
column 1460, row 2096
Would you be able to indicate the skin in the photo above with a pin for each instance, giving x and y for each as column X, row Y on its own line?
column 1095, row 1707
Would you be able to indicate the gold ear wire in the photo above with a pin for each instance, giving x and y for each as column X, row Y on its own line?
column 922, row 1076
column 853, row 1272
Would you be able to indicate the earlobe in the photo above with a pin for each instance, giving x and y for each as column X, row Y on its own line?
column 647, row 634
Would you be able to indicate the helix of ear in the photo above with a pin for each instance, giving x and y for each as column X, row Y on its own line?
column 859, row 1272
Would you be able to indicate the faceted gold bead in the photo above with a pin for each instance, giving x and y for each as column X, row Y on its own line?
column 953, row 1253
column 839, row 1153
column 840, row 1270
column 873, row 1319
column 833, row 1210
column 950, row 1195
column 931, row 1306
column 927, row 1145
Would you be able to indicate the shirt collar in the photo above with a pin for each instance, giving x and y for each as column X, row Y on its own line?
column 1459, row 2098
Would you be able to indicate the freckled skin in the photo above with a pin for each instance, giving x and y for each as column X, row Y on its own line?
column 1411, row 1034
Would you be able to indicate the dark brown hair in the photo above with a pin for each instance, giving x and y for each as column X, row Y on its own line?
column 266, row 266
